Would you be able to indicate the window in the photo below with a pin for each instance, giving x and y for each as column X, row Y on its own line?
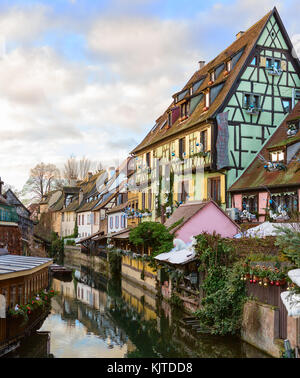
column 277, row 156
column 78, row 220
column 150, row 199
column 82, row 219
column 63, row 217
column 214, row 189
column 170, row 119
column 203, row 139
column 111, row 222
column 184, row 109
column 192, row 143
column 181, row 148
column 143, row 200
column 123, row 221
column 250, row 203
column 183, row 191
column 148, row 160
column 117, row 221
column 251, row 101
column 287, row 105
column 287, row 201
column 273, row 64
column 254, row 61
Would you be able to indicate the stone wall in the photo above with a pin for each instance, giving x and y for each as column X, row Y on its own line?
column 260, row 327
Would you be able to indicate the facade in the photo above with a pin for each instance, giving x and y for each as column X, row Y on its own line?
column 10, row 234
column 116, row 219
column 219, row 121
column 24, row 219
column 269, row 189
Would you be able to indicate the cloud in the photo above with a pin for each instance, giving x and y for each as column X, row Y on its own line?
column 24, row 24
column 104, row 103
column 141, row 49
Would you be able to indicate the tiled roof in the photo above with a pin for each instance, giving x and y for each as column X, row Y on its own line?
column 58, row 205
column 187, row 211
column 256, row 176
column 247, row 41
column 117, row 208
column 73, row 206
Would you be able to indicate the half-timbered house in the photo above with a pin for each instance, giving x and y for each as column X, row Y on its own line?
column 219, row 121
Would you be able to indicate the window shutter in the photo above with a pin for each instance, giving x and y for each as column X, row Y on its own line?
column 263, row 61
column 283, row 65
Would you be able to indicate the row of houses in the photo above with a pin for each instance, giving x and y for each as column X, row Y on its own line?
column 231, row 135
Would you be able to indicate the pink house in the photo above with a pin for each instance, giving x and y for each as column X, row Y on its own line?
column 196, row 217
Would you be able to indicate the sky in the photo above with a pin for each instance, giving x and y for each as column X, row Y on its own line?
column 90, row 77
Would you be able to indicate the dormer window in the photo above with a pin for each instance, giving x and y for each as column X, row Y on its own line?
column 184, row 110
column 170, row 119
column 277, row 156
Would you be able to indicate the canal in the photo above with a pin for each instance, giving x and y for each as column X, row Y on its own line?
column 96, row 317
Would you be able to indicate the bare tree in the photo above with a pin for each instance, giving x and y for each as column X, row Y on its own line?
column 98, row 167
column 84, row 167
column 43, row 178
column 71, row 169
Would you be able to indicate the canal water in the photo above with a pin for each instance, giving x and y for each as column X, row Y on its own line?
column 96, row 317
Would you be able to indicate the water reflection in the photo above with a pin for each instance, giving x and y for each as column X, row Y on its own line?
column 96, row 317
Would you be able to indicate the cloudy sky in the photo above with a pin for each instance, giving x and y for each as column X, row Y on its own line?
column 90, row 77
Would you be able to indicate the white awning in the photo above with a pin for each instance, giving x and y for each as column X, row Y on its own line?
column 177, row 257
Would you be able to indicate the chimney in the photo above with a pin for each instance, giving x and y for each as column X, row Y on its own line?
column 80, row 196
column 239, row 34
column 1, row 183
column 201, row 64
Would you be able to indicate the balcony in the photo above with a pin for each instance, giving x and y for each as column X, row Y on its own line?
column 8, row 214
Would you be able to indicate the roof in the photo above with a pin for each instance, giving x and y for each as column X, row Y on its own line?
column 73, row 206
column 186, row 211
column 58, row 205
column 3, row 201
column 117, row 208
column 14, row 264
column 256, row 176
column 123, row 234
column 15, row 201
column 247, row 42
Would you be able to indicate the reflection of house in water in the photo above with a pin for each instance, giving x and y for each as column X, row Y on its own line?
column 142, row 301
column 89, row 306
